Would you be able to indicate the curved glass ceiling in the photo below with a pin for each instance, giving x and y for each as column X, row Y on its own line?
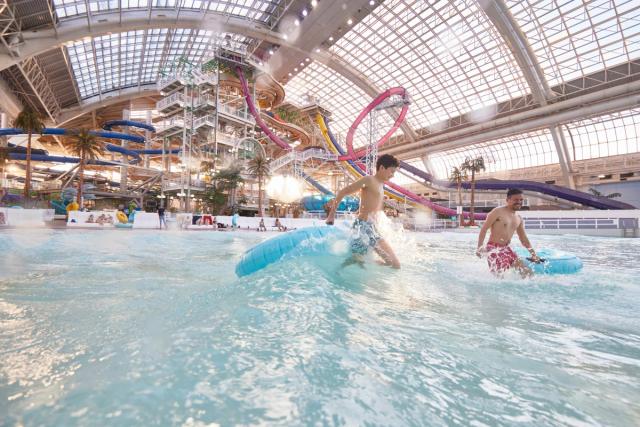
column 446, row 53
column 610, row 135
column 256, row 10
column 514, row 152
column 340, row 96
column 572, row 38
column 133, row 58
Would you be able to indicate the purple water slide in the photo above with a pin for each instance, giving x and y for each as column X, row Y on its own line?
column 564, row 193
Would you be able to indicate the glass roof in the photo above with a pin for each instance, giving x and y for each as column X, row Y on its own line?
column 446, row 53
column 514, row 152
column 343, row 98
column 571, row 38
column 610, row 135
column 131, row 58
column 256, row 10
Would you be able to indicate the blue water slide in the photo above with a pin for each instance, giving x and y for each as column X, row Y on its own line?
column 61, row 131
column 57, row 159
column 111, row 123
column 118, row 149
column 316, row 184
column 564, row 193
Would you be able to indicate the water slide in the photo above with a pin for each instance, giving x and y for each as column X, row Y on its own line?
column 392, row 190
column 276, row 121
column 121, row 123
column 316, row 184
column 102, row 134
column 564, row 193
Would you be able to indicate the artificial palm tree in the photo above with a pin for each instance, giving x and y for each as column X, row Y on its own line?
column 228, row 180
column 30, row 122
column 259, row 167
column 457, row 177
column 473, row 166
column 86, row 146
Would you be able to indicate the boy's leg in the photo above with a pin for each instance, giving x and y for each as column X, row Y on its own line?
column 383, row 249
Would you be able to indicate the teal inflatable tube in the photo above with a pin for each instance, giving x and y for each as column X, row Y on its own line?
column 556, row 262
column 305, row 241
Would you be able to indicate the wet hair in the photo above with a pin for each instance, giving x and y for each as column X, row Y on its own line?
column 513, row 192
column 387, row 161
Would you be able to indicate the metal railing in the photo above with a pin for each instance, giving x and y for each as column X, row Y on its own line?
column 580, row 223
column 175, row 98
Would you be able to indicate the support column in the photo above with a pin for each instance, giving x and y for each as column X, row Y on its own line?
column 563, row 155
column 125, row 144
column 147, row 139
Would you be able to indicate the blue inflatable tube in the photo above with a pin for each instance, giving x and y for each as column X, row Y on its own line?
column 111, row 123
column 305, row 241
column 556, row 262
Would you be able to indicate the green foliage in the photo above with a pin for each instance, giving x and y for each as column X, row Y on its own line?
column 214, row 199
column 228, row 179
column 85, row 145
column 458, row 175
column 600, row 194
column 29, row 120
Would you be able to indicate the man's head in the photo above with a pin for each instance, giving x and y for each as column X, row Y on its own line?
column 514, row 199
column 386, row 166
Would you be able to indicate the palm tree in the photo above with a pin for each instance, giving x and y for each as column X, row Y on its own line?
column 600, row 194
column 86, row 146
column 228, row 180
column 259, row 167
column 30, row 122
column 458, row 176
column 473, row 166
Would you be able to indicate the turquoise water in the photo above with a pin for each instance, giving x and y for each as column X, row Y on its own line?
column 102, row 328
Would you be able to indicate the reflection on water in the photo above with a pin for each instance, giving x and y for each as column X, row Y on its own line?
column 142, row 328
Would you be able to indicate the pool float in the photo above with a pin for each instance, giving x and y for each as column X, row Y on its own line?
column 555, row 262
column 305, row 241
column 122, row 217
column 123, row 225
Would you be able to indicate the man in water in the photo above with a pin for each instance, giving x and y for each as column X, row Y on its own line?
column 503, row 222
column 371, row 198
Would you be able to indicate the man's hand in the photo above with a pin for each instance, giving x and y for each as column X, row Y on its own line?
column 480, row 251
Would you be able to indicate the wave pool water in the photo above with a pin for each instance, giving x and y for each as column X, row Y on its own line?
column 153, row 328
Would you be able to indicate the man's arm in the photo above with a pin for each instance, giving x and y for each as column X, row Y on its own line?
column 522, row 235
column 491, row 218
column 349, row 189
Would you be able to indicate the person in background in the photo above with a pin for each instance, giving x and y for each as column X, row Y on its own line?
column 161, row 217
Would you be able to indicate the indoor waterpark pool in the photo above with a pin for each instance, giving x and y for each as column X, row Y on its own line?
column 154, row 328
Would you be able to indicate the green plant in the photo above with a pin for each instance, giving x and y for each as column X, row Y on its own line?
column 30, row 122
column 474, row 166
column 260, row 168
column 600, row 194
column 228, row 180
column 458, row 176
column 86, row 146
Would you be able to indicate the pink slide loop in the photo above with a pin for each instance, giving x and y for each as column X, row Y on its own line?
column 352, row 155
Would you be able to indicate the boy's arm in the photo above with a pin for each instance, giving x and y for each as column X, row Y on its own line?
column 491, row 218
column 349, row 189
column 522, row 235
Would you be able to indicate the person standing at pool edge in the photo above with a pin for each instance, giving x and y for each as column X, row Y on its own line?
column 371, row 198
column 504, row 222
column 161, row 217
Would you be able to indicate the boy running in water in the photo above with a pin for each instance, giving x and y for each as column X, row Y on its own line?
column 371, row 198
column 503, row 222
